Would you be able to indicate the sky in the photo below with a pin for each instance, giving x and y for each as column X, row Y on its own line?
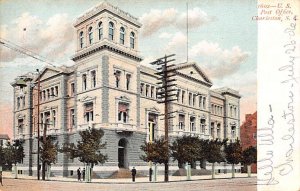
column 221, row 39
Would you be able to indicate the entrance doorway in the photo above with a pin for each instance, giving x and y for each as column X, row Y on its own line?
column 122, row 153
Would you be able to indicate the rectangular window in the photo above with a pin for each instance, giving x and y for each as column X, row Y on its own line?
column 192, row 124
column 89, row 112
column 194, row 100
column 212, row 130
column 202, row 126
column 93, row 78
column 142, row 88
column 20, row 126
column 147, row 90
column 128, row 79
column 23, row 99
column 200, row 102
column 72, row 117
column 152, row 92
column 190, row 99
column 72, row 89
column 18, row 103
column 204, row 102
column 84, row 82
column 48, row 94
column 233, row 131
column 53, row 118
column 56, row 91
column 219, row 131
column 118, row 78
column 123, row 110
column 52, row 92
column 181, row 122
column 182, row 97
column 152, row 123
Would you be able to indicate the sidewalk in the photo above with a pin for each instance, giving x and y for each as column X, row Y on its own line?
column 160, row 178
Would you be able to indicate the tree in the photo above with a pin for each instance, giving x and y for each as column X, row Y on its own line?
column 2, row 159
column 48, row 152
column 249, row 157
column 213, row 153
column 13, row 154
column 88, row 149
column 186, row 149
column 233, row 154
column 155, row 151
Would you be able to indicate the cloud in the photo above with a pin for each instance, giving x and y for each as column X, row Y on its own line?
column 53, row 39
column 217, row 61
column 156, row 19
column 165, row 35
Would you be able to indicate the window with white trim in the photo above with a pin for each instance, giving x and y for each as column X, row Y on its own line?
column 123, row 112
column 192, row 124
column 88, row 112
column 122, row 35
column 132, row 40
column 84, row 82
column 128, row 80
column 100, row 30
column 181, row 122
column 93, row 78
column 91, row 37
column 117, row 78
column 81, row 39
column 202, row 126
column 111, row 31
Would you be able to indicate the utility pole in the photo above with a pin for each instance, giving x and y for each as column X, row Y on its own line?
column 165, row 95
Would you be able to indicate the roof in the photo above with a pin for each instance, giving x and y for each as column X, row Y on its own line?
column 4, row 137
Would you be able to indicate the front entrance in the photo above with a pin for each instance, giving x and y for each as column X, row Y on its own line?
column 122, row 153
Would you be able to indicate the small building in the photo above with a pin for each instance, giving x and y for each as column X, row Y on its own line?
column 4, row 138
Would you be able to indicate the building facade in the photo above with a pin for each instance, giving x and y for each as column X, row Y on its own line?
column 108, row 88
column 248, row 135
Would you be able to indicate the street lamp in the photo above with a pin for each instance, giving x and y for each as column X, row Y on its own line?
column 21, row 83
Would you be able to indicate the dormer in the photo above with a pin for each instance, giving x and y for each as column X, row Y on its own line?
column 107, row 27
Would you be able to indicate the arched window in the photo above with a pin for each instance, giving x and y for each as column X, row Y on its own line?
column 111, row 31
column 122, row 35
column 100, row 30
column 132, row 40
column 81, row 39
column 90, row 35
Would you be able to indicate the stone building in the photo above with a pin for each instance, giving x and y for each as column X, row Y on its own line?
column 108, row 88
column 248, row 135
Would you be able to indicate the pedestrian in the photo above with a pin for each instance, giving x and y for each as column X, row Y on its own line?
column 79, row 174
column 1, row 178
column 83, row 174
column 133, row 173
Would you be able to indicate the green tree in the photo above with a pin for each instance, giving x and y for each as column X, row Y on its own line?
column 157, row 151
column 2, row 158
column 233, row 154
column 13, row 154
column 48, row 153
column 88, row 149
column 186, row 149
column 213, row 153
column 249, row 157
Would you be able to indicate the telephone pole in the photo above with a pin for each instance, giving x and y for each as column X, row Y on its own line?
column 165, row 95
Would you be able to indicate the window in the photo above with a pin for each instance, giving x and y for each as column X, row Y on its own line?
column 182, row 97
column 194, row 100
column 81, row 39
column 52, row 91
column 111, row 31
column 47, row 118
column 147, row 90
column 72, row 117
column 128, row 77
column 132, row 40
column 54, row 118
column 72, row 89
column 84, row 82
column 181, row 122
column 152, row 123
column 152, row 92
column 122, row 35
column 235, row 112
column 178, row 95
column 91, row 35
column 20, row 126
column 204, row 102
column 212, row 130
column 100, row 30
column 88, row 112
column 219, row 131
column 93, row 76
column 202, row 126
column 142, row 88
column 200, row 102
column 23, row 99
column 190, row 99
column 117, row 76
column 123, row 109
column 192, row 124
column 56, row 90
column 233, row 129
column 48, row 94
column 44, row 95
column 230, row 111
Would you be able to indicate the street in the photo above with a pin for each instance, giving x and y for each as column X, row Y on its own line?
column 247, row 184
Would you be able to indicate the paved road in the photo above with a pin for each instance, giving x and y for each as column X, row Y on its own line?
column 245, row 184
